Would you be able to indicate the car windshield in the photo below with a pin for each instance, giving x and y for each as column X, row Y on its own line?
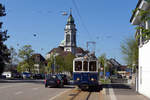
column 59, row 77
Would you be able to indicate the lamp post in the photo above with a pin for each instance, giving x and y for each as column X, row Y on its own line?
column 54, row 64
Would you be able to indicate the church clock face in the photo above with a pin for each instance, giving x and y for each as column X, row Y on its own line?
column 70, row 35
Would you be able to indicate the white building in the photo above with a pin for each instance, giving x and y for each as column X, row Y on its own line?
column 70, row 35
column 143, row 77
column 68, row 45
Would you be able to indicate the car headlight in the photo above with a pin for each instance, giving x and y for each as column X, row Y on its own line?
column 78, row 79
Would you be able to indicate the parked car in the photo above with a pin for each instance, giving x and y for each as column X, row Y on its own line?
column 118, row 76
column 7, row 74
column 2, row 77
column 38, row 76
column 26, row 75
column 65, row 78
column 16, row 75
column 54, row 81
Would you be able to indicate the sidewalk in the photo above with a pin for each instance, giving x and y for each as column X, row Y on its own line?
column 121, row 92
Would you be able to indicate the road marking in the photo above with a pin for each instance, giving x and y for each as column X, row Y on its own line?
column 104, row 91
column 18, row 93
column 112, row 95
column 59, row 94
column 12, row 85
column 35, row 88
column 5, row 87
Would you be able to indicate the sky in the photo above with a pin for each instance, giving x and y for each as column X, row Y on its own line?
column 107, row 22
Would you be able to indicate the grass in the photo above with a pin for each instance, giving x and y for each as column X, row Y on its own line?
column 106, row 81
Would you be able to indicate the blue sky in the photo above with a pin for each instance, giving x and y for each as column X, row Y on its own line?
column 106, row 20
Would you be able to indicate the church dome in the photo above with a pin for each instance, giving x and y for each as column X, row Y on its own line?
column 62, row 43
column 70, row 19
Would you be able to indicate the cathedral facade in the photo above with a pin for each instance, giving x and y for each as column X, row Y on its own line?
column 69, row 43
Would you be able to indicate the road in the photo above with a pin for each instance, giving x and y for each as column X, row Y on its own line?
column 109, row 92
column 121, row 92
column 35, row 90
column 28, row 90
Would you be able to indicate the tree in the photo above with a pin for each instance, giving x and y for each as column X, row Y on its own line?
column 130, row 51
column 59, row 63
column 68, row 62
column 4, row 52
column 13, row 55
column 50, row 61
column 25, row 54
column 21, row 67
column 103, row 62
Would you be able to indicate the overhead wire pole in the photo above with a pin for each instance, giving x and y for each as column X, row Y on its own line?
column 93, row 44
column 82, row 22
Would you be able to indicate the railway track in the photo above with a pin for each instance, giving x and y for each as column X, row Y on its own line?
column 77, row 94
column 82, row 95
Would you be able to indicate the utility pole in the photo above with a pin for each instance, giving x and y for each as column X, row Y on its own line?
column 93, row 46
column 54, row 57
column 104, row 71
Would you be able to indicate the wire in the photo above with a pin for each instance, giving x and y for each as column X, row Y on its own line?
column 82, row 22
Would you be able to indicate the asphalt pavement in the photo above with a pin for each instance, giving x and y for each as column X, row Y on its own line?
column 35, row 90
column 28, row 90
column 122, row 92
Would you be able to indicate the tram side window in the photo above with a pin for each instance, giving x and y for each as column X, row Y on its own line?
column 78, row 66
column 85, row 66
column 92, row 66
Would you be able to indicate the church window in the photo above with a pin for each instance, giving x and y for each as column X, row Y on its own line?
column 74, row 38
column 67, row 49
column 68, row 38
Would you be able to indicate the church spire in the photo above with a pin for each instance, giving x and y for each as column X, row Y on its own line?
column 70, row 18
column 70, row 35
column 70, row 11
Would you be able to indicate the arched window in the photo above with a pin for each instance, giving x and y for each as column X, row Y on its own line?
column 67, row 38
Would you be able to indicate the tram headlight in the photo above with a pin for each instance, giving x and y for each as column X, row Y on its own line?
column 78, row 79
column 92, row 79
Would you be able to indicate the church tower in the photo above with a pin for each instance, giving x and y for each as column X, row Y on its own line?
column 70, row 35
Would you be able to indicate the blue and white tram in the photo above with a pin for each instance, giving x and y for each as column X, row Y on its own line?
column 85, row 72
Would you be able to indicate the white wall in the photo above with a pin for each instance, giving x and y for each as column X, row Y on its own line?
column 144, row 69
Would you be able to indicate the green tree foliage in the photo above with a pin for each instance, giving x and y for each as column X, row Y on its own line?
column 4, row 52
column 21, row 67
column 103, row 61
column 50, row 61
column 59, row 63
column 25, row 54
column 130, row 51
column 68, row 62
column 144, row 17
column 13, row 55
column 62, row 63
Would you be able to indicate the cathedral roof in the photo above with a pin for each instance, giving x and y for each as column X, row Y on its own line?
column 60, row 51
column 70, row 19
column 57, row 50
column 79, row 50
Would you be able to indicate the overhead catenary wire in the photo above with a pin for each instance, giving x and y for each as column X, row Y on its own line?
column 80, row 17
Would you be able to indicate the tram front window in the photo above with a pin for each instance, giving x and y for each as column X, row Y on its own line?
column 78, row 66
column 92, row 66
column 85, row 66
